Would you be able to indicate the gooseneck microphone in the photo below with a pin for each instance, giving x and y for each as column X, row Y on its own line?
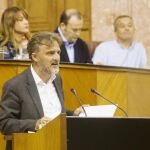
column 97, row 93
column 73, row 91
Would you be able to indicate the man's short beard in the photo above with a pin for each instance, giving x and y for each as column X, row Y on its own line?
column 48, row 71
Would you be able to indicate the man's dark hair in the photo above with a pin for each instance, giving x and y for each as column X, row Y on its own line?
column 42, row 38
column 68, row 13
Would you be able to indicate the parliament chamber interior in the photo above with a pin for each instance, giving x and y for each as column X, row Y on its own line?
column 106, row 64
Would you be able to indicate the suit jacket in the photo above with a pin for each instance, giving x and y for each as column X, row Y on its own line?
column 21, row 105
column 81, row 52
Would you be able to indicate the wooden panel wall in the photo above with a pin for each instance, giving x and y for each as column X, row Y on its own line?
column 44, row 14
column 129, row 88
column 2, row 142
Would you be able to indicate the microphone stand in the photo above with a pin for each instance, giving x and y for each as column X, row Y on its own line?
column 73, row 91
column 95, row 92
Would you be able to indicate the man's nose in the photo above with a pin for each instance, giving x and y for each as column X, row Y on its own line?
column 26, row 21
column 57, row 56
column 127, row 28
column 78, row 33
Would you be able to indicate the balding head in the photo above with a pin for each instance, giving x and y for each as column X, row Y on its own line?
column 71, row 23
column 68, row 13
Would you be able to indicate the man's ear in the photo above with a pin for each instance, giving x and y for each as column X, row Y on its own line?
column 62, row 26
column 34, row 57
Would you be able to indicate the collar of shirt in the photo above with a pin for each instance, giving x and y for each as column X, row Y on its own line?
column 122, row 47
column 38, row 80
column 65, row 41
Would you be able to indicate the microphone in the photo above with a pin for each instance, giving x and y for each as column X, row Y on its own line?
column 95, row 92
column 73, row 91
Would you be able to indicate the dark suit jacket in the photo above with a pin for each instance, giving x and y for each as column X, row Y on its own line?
column 80, row 49
column 21, row 105
column 10, row 51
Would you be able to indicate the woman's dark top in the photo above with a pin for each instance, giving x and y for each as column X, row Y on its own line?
column 9, row 50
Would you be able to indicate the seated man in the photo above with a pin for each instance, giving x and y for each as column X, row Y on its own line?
column 34, row 97
column 123, row 51
column 73, row 49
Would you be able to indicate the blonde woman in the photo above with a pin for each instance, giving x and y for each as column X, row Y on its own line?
column 15, row 33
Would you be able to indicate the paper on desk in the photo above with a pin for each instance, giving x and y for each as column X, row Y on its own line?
column 99, row 111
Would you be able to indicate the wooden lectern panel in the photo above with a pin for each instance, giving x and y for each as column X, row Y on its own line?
column 82, row 79
column 9, row 69
column 6, row 73
column 50, row 137
column 127, row 87
column 139, row 94
column 2, row 142
column 113, row 85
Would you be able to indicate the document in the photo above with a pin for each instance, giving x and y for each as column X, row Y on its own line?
column 99, row 111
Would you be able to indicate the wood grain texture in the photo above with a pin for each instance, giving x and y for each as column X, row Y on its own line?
column 2, row 142
column 127, row 87
column 44, row 15
column 51, row 137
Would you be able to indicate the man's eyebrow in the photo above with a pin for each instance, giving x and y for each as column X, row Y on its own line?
column 44, row 44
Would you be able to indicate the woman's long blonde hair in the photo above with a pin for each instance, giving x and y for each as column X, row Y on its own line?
column 8, row 20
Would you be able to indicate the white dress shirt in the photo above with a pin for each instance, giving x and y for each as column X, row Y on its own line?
column 113, row 54
column 69, row 47
column 48, row 95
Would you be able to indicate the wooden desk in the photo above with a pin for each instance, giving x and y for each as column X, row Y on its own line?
column 127, row 87
column 2, row 142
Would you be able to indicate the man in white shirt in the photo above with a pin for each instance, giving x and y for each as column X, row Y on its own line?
column 123, row 51
column 33, row 98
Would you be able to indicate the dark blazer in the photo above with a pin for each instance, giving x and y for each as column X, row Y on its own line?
column 21, row 106
column 9, row 49
column 80, row 49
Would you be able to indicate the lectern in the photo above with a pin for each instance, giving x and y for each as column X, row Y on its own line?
column 108, row 133
column 87, row 134
column 50, row 137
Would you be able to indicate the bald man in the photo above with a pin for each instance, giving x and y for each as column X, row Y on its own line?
column 73, row 48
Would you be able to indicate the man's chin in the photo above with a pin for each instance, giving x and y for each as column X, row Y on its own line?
column 51, row 71
column 127, row 37
column 55, row 71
